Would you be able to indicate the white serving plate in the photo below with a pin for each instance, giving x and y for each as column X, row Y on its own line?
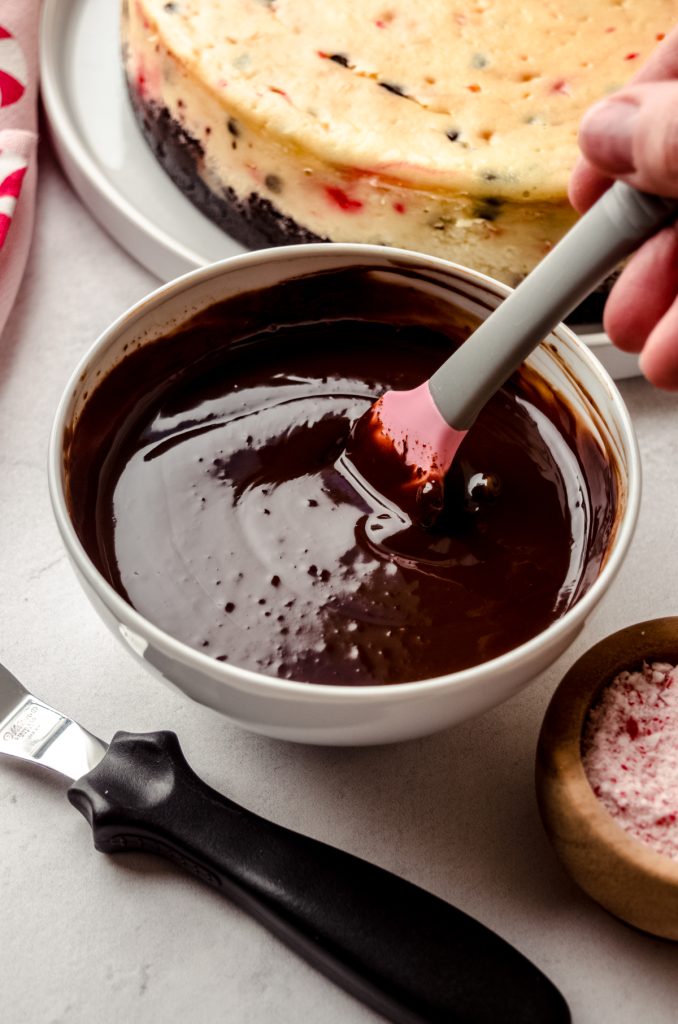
column 103, row 152
column 111, row 168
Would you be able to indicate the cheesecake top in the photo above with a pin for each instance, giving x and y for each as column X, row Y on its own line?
column 482, row 96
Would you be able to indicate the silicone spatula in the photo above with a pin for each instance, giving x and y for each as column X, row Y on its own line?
column 406, row 442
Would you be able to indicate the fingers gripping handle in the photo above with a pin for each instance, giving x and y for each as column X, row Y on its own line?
column 403, row 951
column 613, row 227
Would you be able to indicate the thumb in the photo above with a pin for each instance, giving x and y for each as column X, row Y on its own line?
column 633, row 135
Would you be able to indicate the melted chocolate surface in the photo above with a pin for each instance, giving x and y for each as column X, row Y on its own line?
column 205, row 485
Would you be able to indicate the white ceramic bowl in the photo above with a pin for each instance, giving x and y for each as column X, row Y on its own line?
column 333, row 714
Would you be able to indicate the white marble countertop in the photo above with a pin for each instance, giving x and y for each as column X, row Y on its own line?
column 88, row 938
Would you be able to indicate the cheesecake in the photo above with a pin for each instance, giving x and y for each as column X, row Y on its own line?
column 449, row 128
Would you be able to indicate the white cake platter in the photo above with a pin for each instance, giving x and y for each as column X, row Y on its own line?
column 112, row 169
column 102, row 150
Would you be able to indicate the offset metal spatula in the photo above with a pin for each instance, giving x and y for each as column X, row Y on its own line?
column 403, row 951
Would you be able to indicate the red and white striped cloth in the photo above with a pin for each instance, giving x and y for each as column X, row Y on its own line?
column 18, row 141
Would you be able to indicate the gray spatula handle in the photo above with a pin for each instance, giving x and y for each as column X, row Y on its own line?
column 621, row 219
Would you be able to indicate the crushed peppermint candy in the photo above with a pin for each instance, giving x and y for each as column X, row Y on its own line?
column 630, row 754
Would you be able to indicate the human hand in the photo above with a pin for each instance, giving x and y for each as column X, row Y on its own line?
column 633, row 135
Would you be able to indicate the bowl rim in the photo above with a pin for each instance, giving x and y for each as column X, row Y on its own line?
column 270, row 686
column 559, row 745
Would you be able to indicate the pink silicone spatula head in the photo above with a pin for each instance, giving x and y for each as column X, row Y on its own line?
column 406, row 442
column 404, row 447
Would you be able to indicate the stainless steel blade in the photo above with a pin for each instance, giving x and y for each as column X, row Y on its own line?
column 33, row 731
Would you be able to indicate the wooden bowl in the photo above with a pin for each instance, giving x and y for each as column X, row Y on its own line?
column 621, row 872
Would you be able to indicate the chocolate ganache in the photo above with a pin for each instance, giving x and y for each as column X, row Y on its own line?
column 204, row 483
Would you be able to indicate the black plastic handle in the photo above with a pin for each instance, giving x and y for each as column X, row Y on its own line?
column 400, row 949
